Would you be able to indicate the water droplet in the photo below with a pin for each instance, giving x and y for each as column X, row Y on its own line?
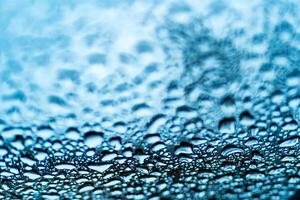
column 183, row 148
column 255, row 175
column 45, row 132
column 231, row 149
column 246, row 119
column 100, row 167
column 64, row 166
column 32, row 175
column 92, row 139
column 227, row 125
column 290, row 142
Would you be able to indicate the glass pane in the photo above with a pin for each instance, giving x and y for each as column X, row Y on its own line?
column 157, row 99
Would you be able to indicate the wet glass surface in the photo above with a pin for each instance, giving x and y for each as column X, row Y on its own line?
column 128, row 99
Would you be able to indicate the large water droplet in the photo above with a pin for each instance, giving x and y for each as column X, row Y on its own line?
column 92, row 139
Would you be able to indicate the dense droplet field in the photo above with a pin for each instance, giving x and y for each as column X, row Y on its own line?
column 157, row 99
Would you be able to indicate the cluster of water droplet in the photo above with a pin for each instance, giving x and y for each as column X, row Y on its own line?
column 193, row 102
